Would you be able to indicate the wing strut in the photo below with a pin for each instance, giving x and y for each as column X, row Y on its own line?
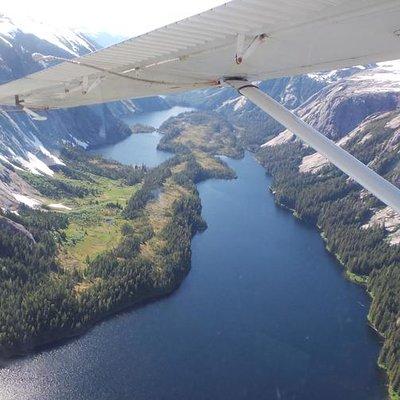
column 362, row 174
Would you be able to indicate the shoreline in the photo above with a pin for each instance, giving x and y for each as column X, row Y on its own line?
column 48, row 343
column 158, row 294
column 353, row 278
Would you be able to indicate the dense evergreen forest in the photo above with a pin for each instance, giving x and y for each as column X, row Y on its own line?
column 340, row 209
column 48, row 292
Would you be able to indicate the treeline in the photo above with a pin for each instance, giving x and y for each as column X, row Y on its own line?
column 151, row 185
column 333, row 203
column 330, row 201
column 384, row 286
column 186, row 221
column 57, row 188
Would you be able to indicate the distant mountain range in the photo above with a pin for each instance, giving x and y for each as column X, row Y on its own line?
column 335, row 102
column 294, row 92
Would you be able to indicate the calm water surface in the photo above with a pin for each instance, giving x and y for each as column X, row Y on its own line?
column 142, row 148
column 264, row 314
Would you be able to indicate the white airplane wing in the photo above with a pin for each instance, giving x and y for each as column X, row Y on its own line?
column 253, row 39
column 241, row 41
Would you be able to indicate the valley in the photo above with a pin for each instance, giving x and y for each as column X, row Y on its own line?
column 117, row 219
column 237, row 265
column 105, row 208
column 360, row 113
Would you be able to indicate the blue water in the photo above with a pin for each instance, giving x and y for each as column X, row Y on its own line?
column 265, row 313
column 142, row 148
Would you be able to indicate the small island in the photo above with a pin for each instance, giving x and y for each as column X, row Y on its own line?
column 140, row 128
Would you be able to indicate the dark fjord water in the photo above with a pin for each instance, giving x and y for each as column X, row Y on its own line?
column 264, row 314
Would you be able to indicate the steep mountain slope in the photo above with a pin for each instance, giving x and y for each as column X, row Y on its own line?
column 92, row 125
column 362, row 114
column 18, row 40
column 340, row 107
column 291, row 92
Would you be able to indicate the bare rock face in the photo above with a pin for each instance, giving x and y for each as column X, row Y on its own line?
column 388, row 219
column 341, row 107
column 284, row 137
column 313, row 163
column 14, row 190
column 344, row 105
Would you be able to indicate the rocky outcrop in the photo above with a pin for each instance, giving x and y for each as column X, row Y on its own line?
column 14, row 228
column 341, row 107
column 15, row 191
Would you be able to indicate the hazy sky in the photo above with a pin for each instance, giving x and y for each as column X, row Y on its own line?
column 120, row 17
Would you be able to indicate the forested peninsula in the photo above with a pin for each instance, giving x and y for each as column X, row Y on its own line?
column 121, row 236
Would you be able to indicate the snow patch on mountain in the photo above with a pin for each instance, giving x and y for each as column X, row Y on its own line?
column 6, row 41
column 28, row 201
column 28, row 145
column 80, row 143
column 59, row 206
column 14, row 190
column 336, row 74
column 384, row 77
column 35, row 165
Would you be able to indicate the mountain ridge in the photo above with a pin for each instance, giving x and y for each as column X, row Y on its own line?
column 33, row 145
